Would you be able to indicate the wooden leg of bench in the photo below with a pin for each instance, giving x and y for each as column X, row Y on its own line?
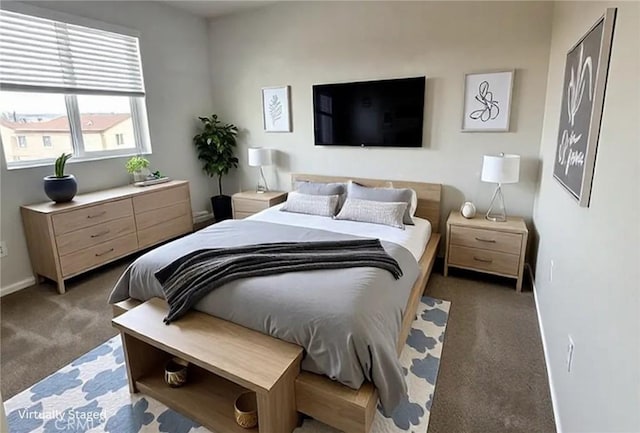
column 140, row 358
column 277, row 409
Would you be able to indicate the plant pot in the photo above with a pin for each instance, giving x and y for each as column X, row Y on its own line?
column 140, row 175
column 61, row 189
column 221, row 205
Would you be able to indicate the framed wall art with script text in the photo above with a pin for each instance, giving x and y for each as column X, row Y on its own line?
column 585, row 79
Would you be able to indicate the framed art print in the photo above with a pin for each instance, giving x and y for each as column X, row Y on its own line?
column 585, row 79
column 276, row 113
column 487, row 101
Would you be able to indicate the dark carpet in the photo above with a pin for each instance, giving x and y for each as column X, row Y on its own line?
column 492, row 376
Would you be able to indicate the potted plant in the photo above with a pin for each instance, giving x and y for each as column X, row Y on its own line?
column 215, row 146
column 138, row 166
column 61, row 187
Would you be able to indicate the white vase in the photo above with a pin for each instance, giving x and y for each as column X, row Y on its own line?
column 468, row 210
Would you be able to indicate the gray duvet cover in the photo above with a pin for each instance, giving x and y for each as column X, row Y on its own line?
column 347, row 320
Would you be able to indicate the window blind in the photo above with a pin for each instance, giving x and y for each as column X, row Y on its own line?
column 52, row 56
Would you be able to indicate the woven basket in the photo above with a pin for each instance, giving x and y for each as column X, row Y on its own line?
column 246, row 410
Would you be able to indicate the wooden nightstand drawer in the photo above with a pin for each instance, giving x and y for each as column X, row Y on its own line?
column 249, row 206
column 486, row 239
column 78, row 219
column 242, row 215
column 484, row 260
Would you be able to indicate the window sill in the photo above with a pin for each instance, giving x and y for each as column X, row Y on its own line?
column 74, row 160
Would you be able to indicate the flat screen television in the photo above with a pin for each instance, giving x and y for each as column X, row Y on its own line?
column 369, row 113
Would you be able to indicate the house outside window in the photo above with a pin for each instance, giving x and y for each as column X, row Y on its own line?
column 90, row 103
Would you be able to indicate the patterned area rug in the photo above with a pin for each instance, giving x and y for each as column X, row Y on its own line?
column 91, row 394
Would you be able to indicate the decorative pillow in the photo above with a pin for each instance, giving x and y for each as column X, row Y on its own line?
column 377, row 212
column 318, row 188
column 322, row 205
column 393, row 195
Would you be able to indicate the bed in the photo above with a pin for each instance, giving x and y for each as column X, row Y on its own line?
column 348, row 402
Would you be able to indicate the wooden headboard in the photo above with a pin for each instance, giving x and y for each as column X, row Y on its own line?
column 428, row 193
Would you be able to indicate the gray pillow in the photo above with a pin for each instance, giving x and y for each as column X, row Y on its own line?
column 322, row 205
column 318, row 188
column 395, row 195
column 369, row 211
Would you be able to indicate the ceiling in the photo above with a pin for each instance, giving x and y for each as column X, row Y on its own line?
column 215, row 8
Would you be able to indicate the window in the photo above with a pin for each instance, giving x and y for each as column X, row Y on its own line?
column 76, row 89
column 120, row 139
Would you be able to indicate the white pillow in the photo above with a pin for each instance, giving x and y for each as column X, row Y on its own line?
column 376, row 212
column 322, row 205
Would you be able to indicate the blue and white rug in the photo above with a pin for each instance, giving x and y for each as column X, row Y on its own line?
column 91, row 394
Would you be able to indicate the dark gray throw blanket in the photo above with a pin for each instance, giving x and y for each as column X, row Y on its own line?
column 188, row 279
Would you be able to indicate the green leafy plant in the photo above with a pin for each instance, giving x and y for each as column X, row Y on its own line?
column 215, row 145
column 61, row 161
column 137, row 163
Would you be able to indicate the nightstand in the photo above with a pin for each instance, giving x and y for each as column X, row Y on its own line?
column 485, row 246
column 247, row 203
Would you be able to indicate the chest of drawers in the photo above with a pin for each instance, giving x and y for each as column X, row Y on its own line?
column 67, row 239
column 485, row 246
column 247, row 203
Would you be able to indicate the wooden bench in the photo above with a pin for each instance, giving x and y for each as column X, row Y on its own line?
column 227, row 360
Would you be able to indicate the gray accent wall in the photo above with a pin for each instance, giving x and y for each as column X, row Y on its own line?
column 305, row 43
column 594, row 295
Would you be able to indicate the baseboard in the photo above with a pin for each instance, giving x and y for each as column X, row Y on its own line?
column 552, row 390
column 23, row 284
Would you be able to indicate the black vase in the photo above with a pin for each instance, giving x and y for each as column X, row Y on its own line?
column 221, row 205
column 61, row 189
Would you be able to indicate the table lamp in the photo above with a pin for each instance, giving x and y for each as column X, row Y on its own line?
column 500, row 169
column 259, row 157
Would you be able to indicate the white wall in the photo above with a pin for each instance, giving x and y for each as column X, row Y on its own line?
column 594, row 295
column 175, row 60
column 305, row 43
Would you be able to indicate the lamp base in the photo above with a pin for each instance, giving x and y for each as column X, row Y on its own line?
column 498, row 199
column 262, row 187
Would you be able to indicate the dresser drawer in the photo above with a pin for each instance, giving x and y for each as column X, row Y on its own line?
column 164, row 231
column 484, row 260
column 82, row 260
column 149, row 219
column 249, row 206
column 486, row 239
column 94, row 235
column 90, row 216
column 159, row 199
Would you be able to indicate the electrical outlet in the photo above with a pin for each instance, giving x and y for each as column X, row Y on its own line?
column 551, row 265
column 570, row 348
column 3, row 249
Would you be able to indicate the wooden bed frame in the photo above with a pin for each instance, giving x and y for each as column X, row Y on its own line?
column 328, row 401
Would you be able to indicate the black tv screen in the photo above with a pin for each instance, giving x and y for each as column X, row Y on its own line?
column 369, row 113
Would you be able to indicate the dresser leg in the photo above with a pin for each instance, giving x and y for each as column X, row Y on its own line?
column 446, row 270
column 519, row 285
column 61, row 288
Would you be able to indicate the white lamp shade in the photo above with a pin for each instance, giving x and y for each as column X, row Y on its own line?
column 259, row 156
column 501, row 168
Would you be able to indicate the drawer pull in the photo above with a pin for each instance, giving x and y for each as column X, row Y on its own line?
column 492, row 241
column 99, row 214
column 105, row 252
column 97, row 235
column 477, row 259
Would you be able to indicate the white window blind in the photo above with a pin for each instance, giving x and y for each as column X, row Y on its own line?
column 46, row 55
